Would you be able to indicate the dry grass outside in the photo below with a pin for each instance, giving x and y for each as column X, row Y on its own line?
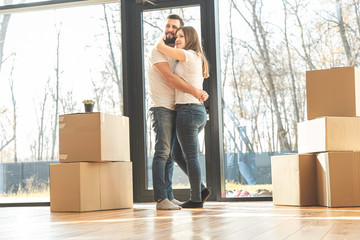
column 251, row 188
column 237, row 190
column 234, row 189
column 233, row 186
column 32, row 188
column 36, row 188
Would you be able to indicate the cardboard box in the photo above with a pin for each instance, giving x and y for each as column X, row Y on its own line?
column 338, row 177
column 333, row 92
column 83, row 186
column 93, row 137
column 294, row 179
column 329, row 134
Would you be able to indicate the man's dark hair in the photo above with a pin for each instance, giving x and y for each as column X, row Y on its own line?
column 176, row 17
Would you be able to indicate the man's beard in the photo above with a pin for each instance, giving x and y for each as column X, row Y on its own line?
column 168, row 41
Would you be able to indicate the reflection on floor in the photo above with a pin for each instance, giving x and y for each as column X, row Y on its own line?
column 217, row 220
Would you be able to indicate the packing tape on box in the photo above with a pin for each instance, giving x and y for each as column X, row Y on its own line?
column 62, row 125
column 61, row 119
column 63, row 156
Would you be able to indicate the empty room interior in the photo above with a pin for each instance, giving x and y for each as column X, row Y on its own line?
column 179, row 119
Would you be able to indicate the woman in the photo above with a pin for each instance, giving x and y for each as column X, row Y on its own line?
column 191, row 113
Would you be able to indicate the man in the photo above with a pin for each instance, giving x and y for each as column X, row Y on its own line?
column 162, row 82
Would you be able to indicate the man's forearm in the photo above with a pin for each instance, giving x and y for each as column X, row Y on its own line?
column 176, row 82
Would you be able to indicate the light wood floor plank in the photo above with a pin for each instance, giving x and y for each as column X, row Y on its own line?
column 218, row 220
column 344, row 230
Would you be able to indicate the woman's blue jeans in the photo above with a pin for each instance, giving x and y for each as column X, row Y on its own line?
column 190, row 120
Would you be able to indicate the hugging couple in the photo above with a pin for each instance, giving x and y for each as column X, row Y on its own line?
column 176, row 71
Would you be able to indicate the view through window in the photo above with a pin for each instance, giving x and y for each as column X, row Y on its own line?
column 266, row 49
column 51, row 61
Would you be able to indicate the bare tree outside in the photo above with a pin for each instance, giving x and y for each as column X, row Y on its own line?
column 112, row 23
column 10, row 138
column 56, row 91
column 4, row 22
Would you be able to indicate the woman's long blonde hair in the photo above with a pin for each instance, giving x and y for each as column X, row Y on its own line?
column 192, row 42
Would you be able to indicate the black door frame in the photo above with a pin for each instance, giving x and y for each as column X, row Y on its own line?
column 134, row 92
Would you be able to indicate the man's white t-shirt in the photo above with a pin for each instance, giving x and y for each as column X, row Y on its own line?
column 161, row 93
column 191, row 72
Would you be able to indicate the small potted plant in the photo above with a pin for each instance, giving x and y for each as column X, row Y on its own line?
column 89, row 105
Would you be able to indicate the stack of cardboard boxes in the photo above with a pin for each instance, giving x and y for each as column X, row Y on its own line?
column 326, row 171
column 95, row 171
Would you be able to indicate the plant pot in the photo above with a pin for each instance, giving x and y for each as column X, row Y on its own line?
column 89, row 107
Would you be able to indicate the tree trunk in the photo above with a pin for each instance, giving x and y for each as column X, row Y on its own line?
column 56, row 95
column 117, row 78
column 291, row 72
column 261, row 42
column 41, row 130
column 306, row 56
column 342, row 32
column 5, row 19
column 357, row 13
column 11, row 83
column 234, row 77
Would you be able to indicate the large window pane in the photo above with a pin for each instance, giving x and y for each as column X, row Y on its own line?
column 266, row 49
column 52, row 61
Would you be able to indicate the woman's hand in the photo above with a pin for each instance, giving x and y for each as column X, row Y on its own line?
column 204, row 96
column 201, row 95
column 177, row 54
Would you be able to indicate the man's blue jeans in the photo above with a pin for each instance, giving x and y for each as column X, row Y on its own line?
column 163, row 124
column 190, row 120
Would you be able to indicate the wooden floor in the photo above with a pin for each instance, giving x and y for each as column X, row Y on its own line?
column 240, row 220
